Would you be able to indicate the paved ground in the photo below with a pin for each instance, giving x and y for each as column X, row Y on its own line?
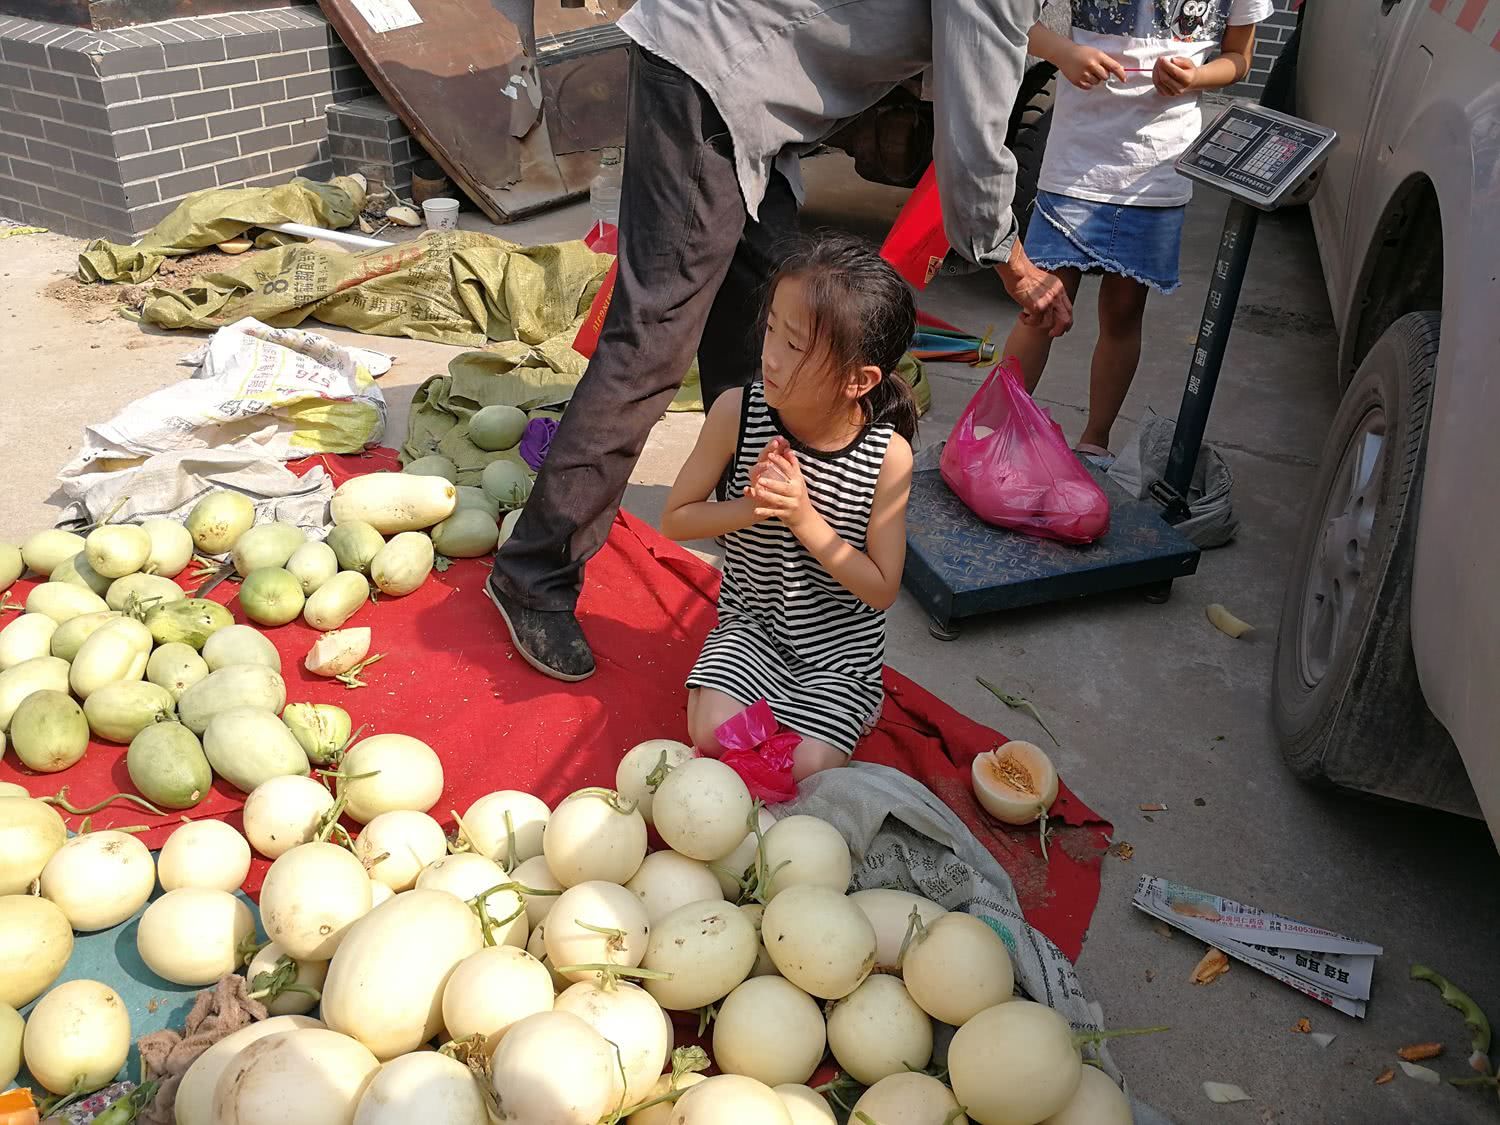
column 1151, row 703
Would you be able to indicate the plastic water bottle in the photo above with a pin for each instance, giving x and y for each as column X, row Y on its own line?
column 604, row 191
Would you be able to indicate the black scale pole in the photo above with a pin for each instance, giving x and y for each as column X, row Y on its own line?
column 1208, row 357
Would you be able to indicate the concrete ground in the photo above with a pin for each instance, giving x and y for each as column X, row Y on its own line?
column 1151, row 704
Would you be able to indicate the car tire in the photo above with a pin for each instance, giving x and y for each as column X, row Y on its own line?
column 1030, row 126
column 1347, row 705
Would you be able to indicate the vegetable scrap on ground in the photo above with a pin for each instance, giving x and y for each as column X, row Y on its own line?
column 544, row 951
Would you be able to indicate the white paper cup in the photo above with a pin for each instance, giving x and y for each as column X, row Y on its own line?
column 441, row 213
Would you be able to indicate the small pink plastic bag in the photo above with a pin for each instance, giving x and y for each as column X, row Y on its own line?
column 1008, row 461
column 761, row 754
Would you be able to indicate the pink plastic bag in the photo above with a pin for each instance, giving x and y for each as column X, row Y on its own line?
column 1021, row 473
column 759, row 754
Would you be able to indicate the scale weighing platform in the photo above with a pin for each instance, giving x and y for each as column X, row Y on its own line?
column 958, row 566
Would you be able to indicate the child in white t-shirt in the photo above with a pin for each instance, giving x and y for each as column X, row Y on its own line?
column 1109, row 200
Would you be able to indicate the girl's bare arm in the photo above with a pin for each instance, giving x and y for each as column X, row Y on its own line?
column 689, row 513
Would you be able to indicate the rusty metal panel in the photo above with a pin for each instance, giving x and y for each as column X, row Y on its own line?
column 470, row 81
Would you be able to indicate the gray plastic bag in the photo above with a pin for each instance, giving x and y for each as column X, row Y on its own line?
column 1212, row 522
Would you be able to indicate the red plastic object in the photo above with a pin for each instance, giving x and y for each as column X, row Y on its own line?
column 916, row 245
column 601, row 239
column 757, row 750
column 1021, row 474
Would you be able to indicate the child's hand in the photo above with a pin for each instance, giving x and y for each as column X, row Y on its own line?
column 779, row 492
column 1174, row 77
column 1086, row 67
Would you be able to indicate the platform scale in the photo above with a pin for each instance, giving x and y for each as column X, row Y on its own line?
column 958, row 566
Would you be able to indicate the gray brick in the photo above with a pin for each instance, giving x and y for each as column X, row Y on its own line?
column 361, row 125
column 111, row 194
column 86, row 116
column 132, row 142
column 228, row 74
column 261, row 93
column 131, row 60
column 321, row 102
column 59, row 85
column 74, row 60
column 54, row 155
column 303, row 38
column 21, row 125
column 248, row 46
column 195, row 52
column 297, row 156
column 85, row 187
column 81, row 140
column 279, row 66
column 303, row 85
column 322, row 170
column 104, row 168
column 139, row 195
column 150, row 165
column 122, row 89
column 143, row 219
column 278, row 136
column 19, row 51
column 177, row 81
column 185, row 183
column 340, row 145
column 7, row 98
column 60, row 201
column 12, row 144
column 197, row 105
column 236, row 171
column 225, row 124
column 113, row 221
column 15, row 76
column 210, row 152
column 300, row 110
column 314, row 130
column 30, row 172
column 140, row 113
column 177, row 133
column 39, row 105
column 18, row 191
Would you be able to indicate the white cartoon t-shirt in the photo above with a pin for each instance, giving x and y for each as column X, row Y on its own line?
column 1116, row 142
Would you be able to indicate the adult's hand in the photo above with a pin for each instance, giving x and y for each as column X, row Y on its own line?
column 1087, row 67
column 1043, row 300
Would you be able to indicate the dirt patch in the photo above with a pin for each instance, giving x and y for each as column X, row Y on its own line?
column 102, row 300
column 1272, row 320
column 97, row 303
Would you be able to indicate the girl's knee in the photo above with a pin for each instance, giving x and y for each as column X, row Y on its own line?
column 812, row 757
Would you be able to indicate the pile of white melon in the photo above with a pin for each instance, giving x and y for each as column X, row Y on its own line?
column 546, row 950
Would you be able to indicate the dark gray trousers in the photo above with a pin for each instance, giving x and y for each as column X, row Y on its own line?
column 693, row 268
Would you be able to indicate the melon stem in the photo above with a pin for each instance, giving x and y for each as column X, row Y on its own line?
column 1087, row 1038
column 60, row 799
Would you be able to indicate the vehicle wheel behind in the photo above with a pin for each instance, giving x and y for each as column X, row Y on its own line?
column 1347, row 705
column 1030, row 125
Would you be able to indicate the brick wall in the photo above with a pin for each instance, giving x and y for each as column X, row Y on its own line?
column 1269, row 38
column 366, row 133
column 104, row 133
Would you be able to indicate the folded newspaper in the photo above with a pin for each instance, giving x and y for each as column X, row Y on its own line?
column 1332, row 969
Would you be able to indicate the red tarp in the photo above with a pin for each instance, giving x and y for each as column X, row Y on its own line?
column 451, row 677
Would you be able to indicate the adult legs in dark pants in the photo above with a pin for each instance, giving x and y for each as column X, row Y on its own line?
column 691, row 268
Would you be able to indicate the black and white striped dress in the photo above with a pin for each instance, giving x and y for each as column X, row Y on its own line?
column 788, row 632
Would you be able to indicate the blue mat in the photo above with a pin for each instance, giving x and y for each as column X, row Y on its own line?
column 110, row 956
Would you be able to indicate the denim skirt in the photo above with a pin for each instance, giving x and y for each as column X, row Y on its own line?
column 1141, row 243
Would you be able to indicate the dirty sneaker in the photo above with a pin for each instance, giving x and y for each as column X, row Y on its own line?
column 552, row 642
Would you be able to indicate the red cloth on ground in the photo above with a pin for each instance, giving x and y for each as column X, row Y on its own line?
column 452, row 678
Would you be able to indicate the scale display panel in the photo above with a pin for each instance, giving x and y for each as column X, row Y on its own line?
column 1256, row 154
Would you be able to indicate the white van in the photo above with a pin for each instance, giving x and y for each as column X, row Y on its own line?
column 1387, row 676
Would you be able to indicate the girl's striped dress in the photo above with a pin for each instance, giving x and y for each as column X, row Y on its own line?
column 788, row 632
